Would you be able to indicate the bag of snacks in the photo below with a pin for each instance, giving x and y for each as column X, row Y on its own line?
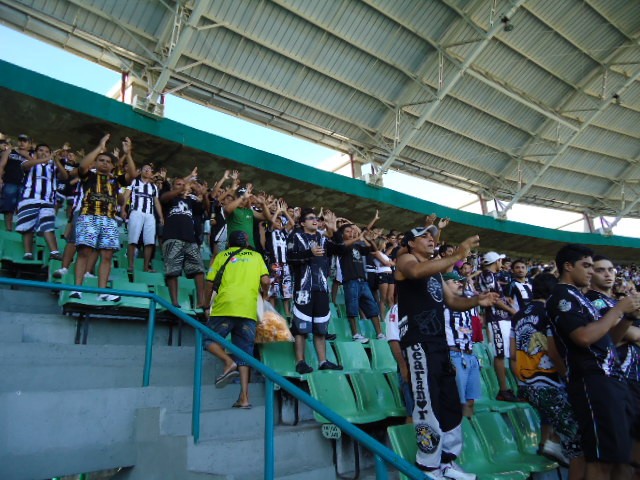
column 272, row 327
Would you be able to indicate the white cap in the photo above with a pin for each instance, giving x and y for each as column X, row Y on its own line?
column 491, row 257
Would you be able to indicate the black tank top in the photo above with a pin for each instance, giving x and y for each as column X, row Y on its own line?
column 422, row 303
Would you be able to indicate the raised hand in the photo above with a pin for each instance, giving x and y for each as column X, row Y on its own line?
column 103, row 142
column 127, row 146
column 464, row 249
column 430, row 219
column 443, row 223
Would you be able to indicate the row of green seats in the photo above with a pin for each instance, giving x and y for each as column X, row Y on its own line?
column 496, row 446
column 360, row 397
column 280, row 356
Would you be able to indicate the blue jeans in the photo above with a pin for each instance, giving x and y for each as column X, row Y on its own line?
column 357, row 295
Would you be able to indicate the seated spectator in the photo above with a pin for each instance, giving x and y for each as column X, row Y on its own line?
column 234, row 308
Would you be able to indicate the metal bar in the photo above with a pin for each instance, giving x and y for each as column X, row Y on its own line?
column 381, row 469
column 201, row 330
column 197, row 388
column 269, row 450
column 151, row 328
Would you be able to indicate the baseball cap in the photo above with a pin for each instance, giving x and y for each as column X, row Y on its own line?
column 453, row 276
column 238, row 239
column 418, row 232
column 23, row 136
column 241, row 191
column 491, row 257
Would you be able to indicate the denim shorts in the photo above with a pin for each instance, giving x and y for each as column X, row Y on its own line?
column 357, row 295
column 11, row 194
column 467, row 375
column 243, row 333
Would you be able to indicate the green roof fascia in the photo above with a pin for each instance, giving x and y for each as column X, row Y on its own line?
column 84, row 101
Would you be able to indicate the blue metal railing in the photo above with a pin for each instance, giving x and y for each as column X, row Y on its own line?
column 381, row 452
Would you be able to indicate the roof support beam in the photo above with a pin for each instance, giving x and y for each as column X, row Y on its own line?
column 445, row 90
column 181, row 43
column 572, row 138
column 624, row 212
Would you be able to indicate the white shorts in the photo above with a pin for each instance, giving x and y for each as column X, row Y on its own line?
column 142, row 223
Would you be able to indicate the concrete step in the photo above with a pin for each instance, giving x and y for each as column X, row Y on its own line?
column 10, row 332
column 27, row 300
column 37, row 367
column 298, row 449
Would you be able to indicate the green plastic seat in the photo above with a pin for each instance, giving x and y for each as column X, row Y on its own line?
column 394, row 383
column 184, row 298
column 87, row 300
column 480, row 351
column 340, row 327
column 473, row 459
column 119, row 274
column 488, row 401
column 352, row 356
column 526, row 424
column 382, row 359
column 373, row 394
column 502, row 447
column 311, row 357
column 403, row 442
column 148, row 278
column 366, row 328
column 13, row 252
column 133, row 303
column 332, row 389
column 281, row 357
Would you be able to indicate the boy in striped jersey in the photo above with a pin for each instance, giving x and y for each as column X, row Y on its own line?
column 36, row 208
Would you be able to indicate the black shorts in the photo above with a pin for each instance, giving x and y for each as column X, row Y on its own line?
column 634, row 391
column 310, row 313
column 602, row 406
column 385, row 277
column 498, row 340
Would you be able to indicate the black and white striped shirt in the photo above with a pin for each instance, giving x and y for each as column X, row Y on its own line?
column 522, row 294
column 143, row 196
column 458, row 329
column 40, row 183
column 277, row 246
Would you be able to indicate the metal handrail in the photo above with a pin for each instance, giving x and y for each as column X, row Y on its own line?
column 381, row 452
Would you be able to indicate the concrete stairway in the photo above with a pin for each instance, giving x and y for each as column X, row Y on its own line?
column 68, row 409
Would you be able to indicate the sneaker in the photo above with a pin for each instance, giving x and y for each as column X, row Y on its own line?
column 327, row 365
column 360, row 339
column 75, row 295
column 506, row 396
column 453, row 470
column 89, row 275
column 61, row 272
column 381, row 336
column 55, row 256
column 303, row 367
column 107, row 297
column 27, row 256
column 553, row 451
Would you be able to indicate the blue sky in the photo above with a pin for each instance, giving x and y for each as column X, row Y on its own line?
column 36, row 55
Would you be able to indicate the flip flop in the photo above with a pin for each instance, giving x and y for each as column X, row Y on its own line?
column 224, row 379
column 243, row 407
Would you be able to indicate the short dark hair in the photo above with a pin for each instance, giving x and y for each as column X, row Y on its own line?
column 597, row 258
column 112, row 157
column 306, row 211
column 43, row 145
column 542, row 285
column 571, row 253
column 516, row 261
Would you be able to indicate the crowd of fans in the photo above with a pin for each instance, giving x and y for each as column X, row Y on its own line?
column 567, row 329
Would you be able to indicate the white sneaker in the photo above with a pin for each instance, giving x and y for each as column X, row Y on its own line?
column 107, row 297
column 553, row 450
column 453, row 470
column 61, row 272
column 381, row 336
column 89, row 275
column 75, row 295
column 359, row 338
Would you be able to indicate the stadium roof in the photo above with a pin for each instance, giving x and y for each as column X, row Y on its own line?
column 524, row 101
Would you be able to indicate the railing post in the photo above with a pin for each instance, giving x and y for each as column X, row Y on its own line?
column 381, row 469
column 269, row 452
column 151, row 327
column 197, row 387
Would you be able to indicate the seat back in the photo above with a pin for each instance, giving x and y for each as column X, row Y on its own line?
column 382, row 358
column 352, row 356
column 403, row 442
column 281, row 357
column 373, row 394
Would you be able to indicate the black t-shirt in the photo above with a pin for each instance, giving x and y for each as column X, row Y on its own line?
column 352, row 262
column 421, row 312
column 568, row 310
column 179, row 219
column 13, row 172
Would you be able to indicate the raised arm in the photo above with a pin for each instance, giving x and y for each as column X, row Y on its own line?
column 87, row 162
column 130, row 168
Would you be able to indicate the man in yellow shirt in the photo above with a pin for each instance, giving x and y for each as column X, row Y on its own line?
column 235, row 307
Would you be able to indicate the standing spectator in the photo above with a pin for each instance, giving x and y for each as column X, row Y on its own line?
column 143, row 209
column 308, row 252
column 538, row 369
column 96, row 227
column 498, row 319
column 36, row 209
column 180, row 247
column 384, row 275
column 459, row 334
column 519, row 290
column 598, row 391
column 239, row 214
column 422, row 296
column 234, row 308
column 12, row 176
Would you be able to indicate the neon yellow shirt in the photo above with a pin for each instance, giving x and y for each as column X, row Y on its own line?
column 240, row 286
